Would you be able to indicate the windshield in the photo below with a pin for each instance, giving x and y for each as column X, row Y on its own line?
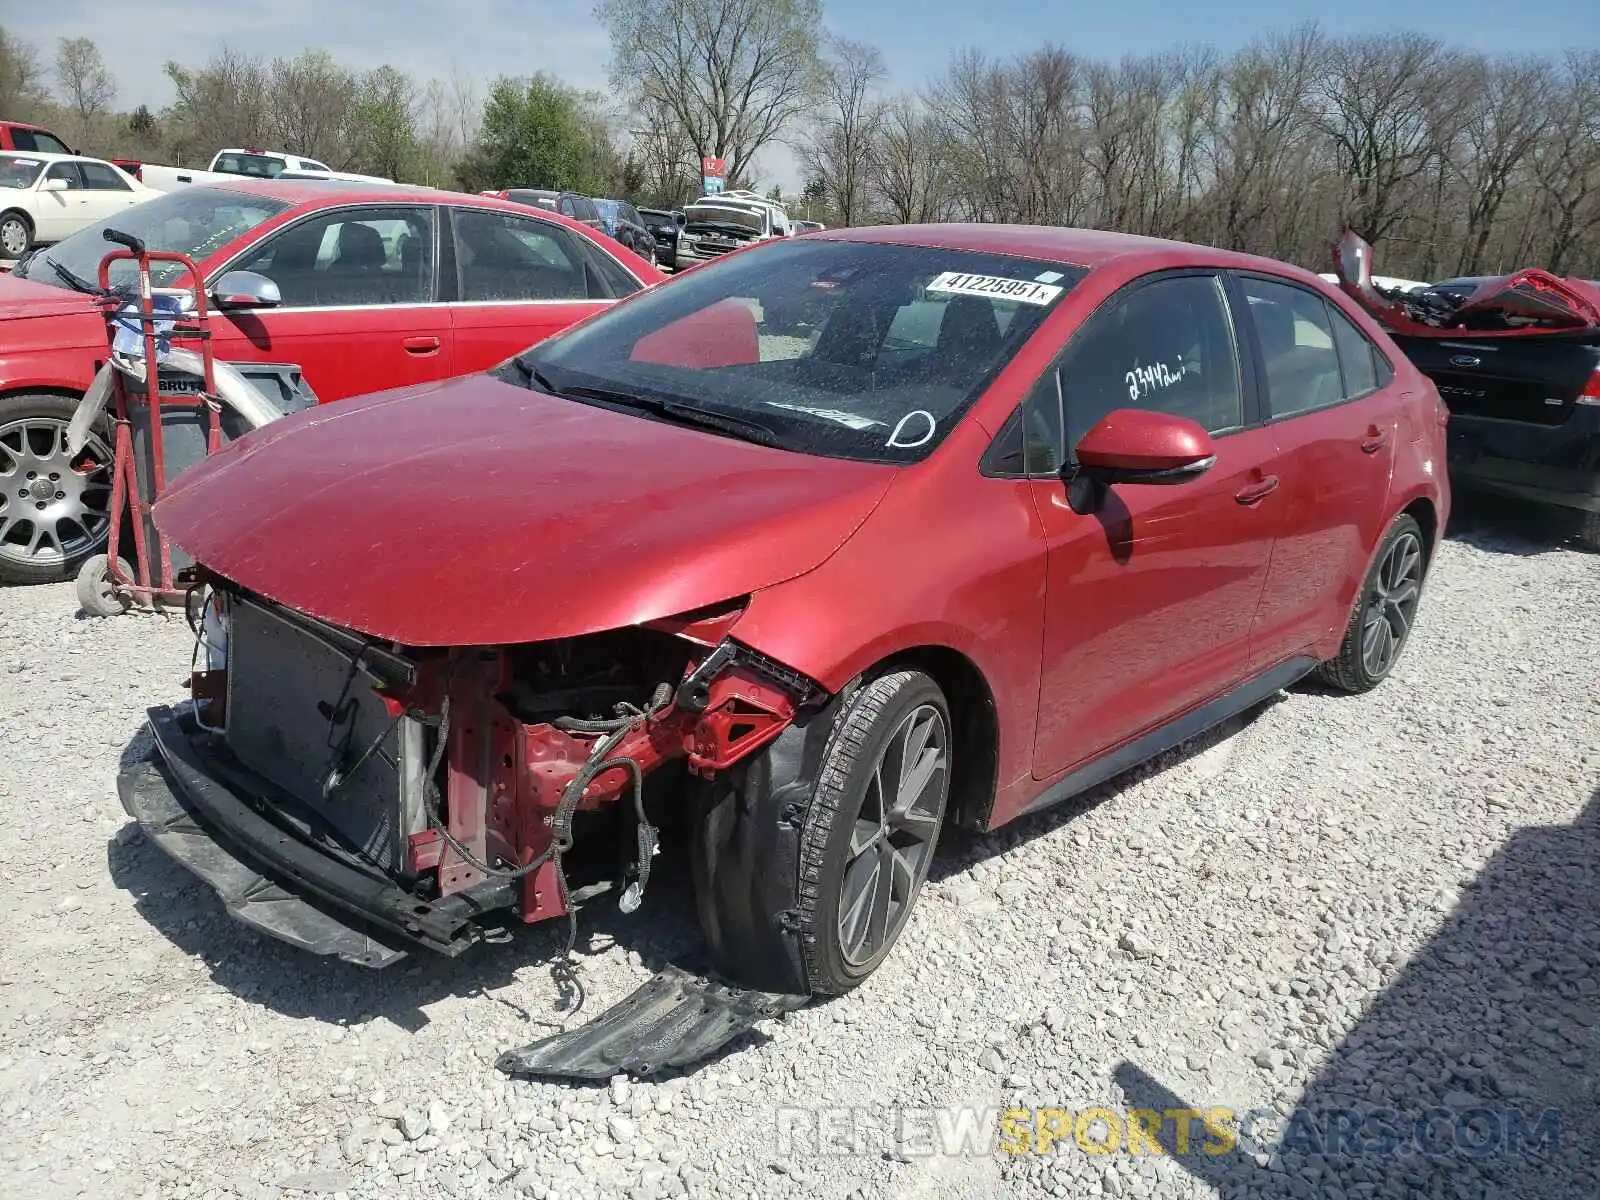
column 257, row 166
column 18, row 170
column 717, row 214
column 194, row 220
column 843, row 349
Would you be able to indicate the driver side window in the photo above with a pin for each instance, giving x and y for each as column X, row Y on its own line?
column 1167, row 345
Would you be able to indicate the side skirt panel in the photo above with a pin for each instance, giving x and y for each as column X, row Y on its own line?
column 1175, row 732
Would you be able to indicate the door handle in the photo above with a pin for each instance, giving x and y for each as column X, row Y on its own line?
column 422, row 345
column 1376, row 440
column 1257, row 491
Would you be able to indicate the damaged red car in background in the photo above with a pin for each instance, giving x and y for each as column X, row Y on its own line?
column 1517, row 360
column 823, row 548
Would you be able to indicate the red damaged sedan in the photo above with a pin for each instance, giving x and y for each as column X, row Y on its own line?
column 825, row 546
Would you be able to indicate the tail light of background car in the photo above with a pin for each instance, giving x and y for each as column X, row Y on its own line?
column 1591, row 390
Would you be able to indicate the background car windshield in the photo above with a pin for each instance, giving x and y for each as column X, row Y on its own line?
column 702, row 214
column 258, row 166
column 845, row 349
column 19, row 172
column 196, row 221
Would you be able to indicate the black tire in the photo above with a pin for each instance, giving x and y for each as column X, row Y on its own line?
column 15, row 229
column 1355, row 668
column 17, row 565
column 773, row 851
column 1589, row 531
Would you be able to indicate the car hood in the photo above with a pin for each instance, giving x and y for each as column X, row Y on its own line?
column 477, row 512
column 29, row 298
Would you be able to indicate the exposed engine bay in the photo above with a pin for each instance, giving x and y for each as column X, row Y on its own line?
column 460, row 774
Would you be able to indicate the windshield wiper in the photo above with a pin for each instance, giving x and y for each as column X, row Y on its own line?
column 72, row 279
column 674, row 410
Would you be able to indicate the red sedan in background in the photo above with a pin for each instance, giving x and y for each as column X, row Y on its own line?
column 854, row 536
column 365, row 288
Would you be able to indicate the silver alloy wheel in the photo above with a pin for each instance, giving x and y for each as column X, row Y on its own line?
column 892, row 841
column 53, row 506
column 13, row 237
column 1391, row 604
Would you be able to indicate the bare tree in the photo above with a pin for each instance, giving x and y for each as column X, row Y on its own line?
column 839, row 150
column 224, row 103
column 734, row 74
column 313, row 101
column 85, row 82
column 910, row 165
column 22, row 87
column 1387, row 106
column 1567, row 169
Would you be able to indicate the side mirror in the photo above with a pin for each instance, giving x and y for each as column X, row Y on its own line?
column 1135, row 445
column 245, row 289
column 55, row 185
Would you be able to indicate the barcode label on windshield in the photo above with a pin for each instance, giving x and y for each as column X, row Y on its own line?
column 996, row 287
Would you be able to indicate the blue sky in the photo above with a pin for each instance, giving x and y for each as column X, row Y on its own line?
column 493, row 37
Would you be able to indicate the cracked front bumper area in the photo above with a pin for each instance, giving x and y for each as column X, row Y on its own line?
column 271, row 878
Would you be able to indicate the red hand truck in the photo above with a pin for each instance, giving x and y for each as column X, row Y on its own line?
column 106, row 584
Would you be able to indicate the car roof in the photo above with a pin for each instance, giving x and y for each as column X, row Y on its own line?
column 311, row 190
column 312, row 193
column 1058, row 243
column 51, row 156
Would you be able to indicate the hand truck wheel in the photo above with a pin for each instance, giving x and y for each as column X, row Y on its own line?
column 98, row 595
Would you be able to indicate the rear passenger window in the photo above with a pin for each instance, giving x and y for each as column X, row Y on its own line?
column 1297, row 346
column 502, row 257
column 1357, row 355
column 1168, row 346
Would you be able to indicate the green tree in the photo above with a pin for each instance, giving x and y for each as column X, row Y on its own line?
column 538, row 132
column 385, row 122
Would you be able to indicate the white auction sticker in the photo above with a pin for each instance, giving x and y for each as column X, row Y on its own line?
column 996, row 287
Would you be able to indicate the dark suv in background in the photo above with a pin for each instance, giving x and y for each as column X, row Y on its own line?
column 568, row 204
column 622, row 221
column 664, row 226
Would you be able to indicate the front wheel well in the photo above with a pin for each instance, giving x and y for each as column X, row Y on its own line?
column 977, row 727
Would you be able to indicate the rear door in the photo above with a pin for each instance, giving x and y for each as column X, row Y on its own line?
column 107, row 190
column 1335, row 408
column 516, row 280
column 1149, row 601
column 361, row 309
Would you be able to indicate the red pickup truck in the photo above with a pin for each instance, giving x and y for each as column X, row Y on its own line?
column 18, row 135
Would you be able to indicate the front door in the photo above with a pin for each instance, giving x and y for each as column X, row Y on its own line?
column 1335, row 408
column 1149, row 601
column 61, row 213
column 360, row 309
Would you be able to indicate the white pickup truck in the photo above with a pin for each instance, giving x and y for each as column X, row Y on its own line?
column 233, row 163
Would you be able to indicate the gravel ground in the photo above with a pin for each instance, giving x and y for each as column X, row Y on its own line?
column 1382, row 902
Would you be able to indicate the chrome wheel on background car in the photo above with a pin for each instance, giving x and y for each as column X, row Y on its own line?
column 15, row 236
column 1385, row 610
column 54, row 507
